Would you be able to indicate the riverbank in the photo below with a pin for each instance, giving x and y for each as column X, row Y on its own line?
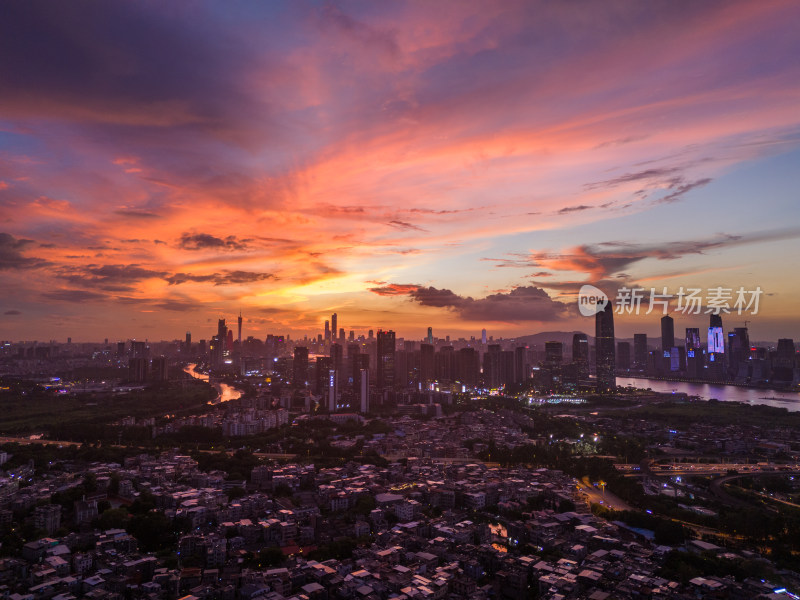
column 715, row 391
column 225, row 392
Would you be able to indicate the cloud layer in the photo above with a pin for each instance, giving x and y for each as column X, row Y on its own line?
column 199, row 158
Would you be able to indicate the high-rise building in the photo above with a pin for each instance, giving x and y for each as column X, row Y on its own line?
column 359, row 363
column 483, row 336
column 738, row 350
column 446, row 364
column 624, row 355
column 667, row 333
column 692, row 338
column 341, row 334
column 239, row 336
column 363, row 389
column 137, row 369
column 322, row 367
column 337, row 356
column 334, row 325
column 426, row 364
column 429, row 339
column 327, row 331
column 520, row 364
column 222, row 333
column 785, row 353
column 492, row 366
column 47, row 518
column 467, row 362
column 640, row 351
column 580, row 347
column 385, row 366
column 332, row 390
column 553, row 353
column 580, row 358
column 784, row 365
column 158, row 369
column 300, row 367
column 139, row 349
column 715, row 352
column 605, row 359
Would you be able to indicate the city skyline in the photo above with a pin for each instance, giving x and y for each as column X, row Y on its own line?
column 458, row 166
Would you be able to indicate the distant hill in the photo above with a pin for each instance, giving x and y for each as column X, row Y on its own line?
column 538, row 339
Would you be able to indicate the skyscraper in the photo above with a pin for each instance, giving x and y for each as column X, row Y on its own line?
column 363, row 389
column 580, row 357
column 491, row 366
column 483, row 336
column 624, row 355
column 520, row 364
column 693, row 353
column 239, row 323
column 667, row 333
column 337, row 356
column 553, row 353
column 426, row 364
column 385, row 366
column 640, row 351
column 692, row 338
column 332, row 391
column 300, row 367
column 327, row 331
column 605, row 352
column 334, row 324
column 222, row 333
column 429, row 339
column 580, row 348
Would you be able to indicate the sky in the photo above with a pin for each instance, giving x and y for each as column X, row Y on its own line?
column 454, row 164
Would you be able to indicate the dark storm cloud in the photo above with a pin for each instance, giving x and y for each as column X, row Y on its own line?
column 526, row 303
column 205, row 241
column 137, row 214
column 11, row 254
column 606, row 262
column 178, row 305
column 110, row 277
column 394, row 289
column 225, row 278
column 12, row 313
column 73, row 296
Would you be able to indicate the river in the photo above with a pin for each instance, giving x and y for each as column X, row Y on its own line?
column 226, row 392
column 724, row 393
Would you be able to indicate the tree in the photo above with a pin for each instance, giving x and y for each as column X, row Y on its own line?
column 113, row 518
column 153, row 531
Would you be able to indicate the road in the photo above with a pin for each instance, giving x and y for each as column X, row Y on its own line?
column 594, row 495
column 24, row 440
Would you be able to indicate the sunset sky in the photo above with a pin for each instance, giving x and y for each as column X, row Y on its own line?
column 405, row 164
